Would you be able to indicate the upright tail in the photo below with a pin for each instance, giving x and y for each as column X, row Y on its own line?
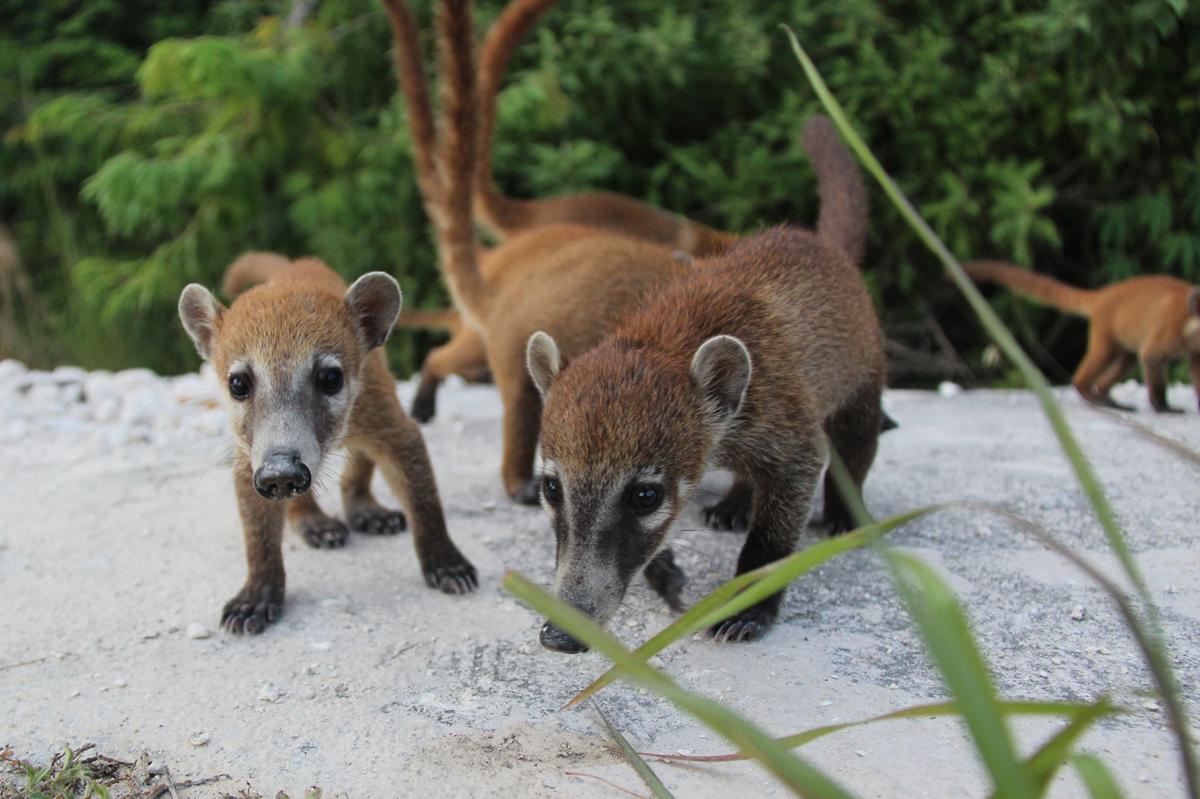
column 502, row 215
column 251, row 269
column 843, row 217
column 1039, row 288
column 456, row 233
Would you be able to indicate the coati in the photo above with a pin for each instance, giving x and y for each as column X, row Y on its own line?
column 1154, row 319
column 573, row 280
column 302, row 359
column 757, row 361
column 464, row 353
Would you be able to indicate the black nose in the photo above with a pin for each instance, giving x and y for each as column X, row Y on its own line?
column 282, row 476
column 556, row 639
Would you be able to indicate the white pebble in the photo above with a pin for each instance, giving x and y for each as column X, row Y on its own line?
column 120, row 682
column 199, row 739
column 198, row 631
column 270, row 693
column 948, row 389
column 1079, row 613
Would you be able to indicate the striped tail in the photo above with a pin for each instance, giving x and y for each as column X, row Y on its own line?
column 1039, row 288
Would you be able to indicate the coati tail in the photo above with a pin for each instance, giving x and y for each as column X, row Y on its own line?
column 251, row 269
column 843, row 217
column 503, row 215
column 1039, row 288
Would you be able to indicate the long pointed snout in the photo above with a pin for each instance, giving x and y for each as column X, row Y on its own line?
column 555, row 639
column 282, row 475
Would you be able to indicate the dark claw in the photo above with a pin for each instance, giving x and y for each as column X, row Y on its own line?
column 377, row 520
column 722, row 518
column 323, row 532
column 749, row 625
column 243, row 614
column 459, row 578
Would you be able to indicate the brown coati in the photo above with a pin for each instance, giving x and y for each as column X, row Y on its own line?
column 573, row 280
column 757, row 361
column 1154, row 319
column 301, row 356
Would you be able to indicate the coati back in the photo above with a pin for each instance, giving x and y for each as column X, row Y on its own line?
column 757, row 361
column 1154, row 319
column 302, row 359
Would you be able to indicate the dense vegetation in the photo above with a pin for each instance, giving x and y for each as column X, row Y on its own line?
column 146, row 144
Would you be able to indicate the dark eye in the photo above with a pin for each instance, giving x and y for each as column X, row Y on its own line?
column 329, row 380
column 645, row 499
column 239, row 386
column 552, row 490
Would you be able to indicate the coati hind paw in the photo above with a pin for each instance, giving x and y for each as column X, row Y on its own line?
column 252, row 609
column 727, row 516
column 323, row 532
column 749, row 625
column 452, row 578
column 370, row 518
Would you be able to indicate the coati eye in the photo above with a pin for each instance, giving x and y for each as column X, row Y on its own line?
column 239, row 386
column 552, row 490
column 644, row 498
column 329, row 380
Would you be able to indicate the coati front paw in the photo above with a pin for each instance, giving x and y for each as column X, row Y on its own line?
column 323, row 532
column 838, row 520
column 728, row 515
column 452, row 576
column 424, row 405
column 254, row 607
column 667, row 579
column 749, row 625
column 371, row 518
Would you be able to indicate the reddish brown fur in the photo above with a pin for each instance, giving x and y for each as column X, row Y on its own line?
column 1153, row 318
column 303, row 309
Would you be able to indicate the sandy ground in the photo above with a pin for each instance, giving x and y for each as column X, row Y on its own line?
column 120, row 542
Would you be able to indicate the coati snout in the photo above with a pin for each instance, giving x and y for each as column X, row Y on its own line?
column 282, row 476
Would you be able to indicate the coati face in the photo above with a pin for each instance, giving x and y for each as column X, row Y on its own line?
column 291, row 358
column 625, row 437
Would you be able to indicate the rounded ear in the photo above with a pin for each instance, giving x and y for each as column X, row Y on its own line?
column 543, row 360
column 199, row 311
column 375, row 300
column 721, row 368
column 1194, row 301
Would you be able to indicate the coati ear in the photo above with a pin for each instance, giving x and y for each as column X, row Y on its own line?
column 199, row 311
column 375, row 300
column 1194, row 301
column 543, row 360
column 721, row 367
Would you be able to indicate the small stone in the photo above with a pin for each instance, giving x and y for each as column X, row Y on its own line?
column 149, row 635
column 321, row 646
column 198, row 631
column 948, row 389
column 199, row 739
column 1078, row 613
column 270, row 693
column 158, row 769
column 1150, row 704
column 120, row 682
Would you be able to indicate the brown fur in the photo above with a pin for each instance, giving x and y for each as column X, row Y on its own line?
column 507, row 216
column 279, row 330
column 1154, row 319
column 757, row 361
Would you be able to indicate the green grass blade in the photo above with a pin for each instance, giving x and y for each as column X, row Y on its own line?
column 752, row 587
column 931, row 710
column 1096, row 777
column 1044, row 763
column 948, row 638
column 639, row 765
column 1155, row 651
column 800, row 776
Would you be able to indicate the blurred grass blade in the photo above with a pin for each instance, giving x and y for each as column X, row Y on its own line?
column 752, row 587
column 931, row 710
column 639, row 765
column 948, row 638
column 796, row 773
column 1155, row 650
column 1096, row 777
column 1043, row 764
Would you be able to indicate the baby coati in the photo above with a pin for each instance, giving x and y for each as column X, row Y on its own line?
column 302, row 360
column 757, row 361
column 1154, row 319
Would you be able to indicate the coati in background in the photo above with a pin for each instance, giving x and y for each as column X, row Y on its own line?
column 757, row 361
column 302, row 360
column 1154, row 319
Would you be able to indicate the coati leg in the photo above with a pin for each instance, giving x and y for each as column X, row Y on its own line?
column 732, row 513
column 854, row 435
column 364, row 514
column 667, row 579
column 1154, row 369
column 1119, row 367
column 318, row 529
column 1102, row 352
column 782, row 503
column 394, row 443
column 260, row 601
column 463, row 354
column 522, row 422
column 1194, row 368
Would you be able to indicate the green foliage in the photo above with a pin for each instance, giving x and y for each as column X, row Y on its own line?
column 146, row 145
